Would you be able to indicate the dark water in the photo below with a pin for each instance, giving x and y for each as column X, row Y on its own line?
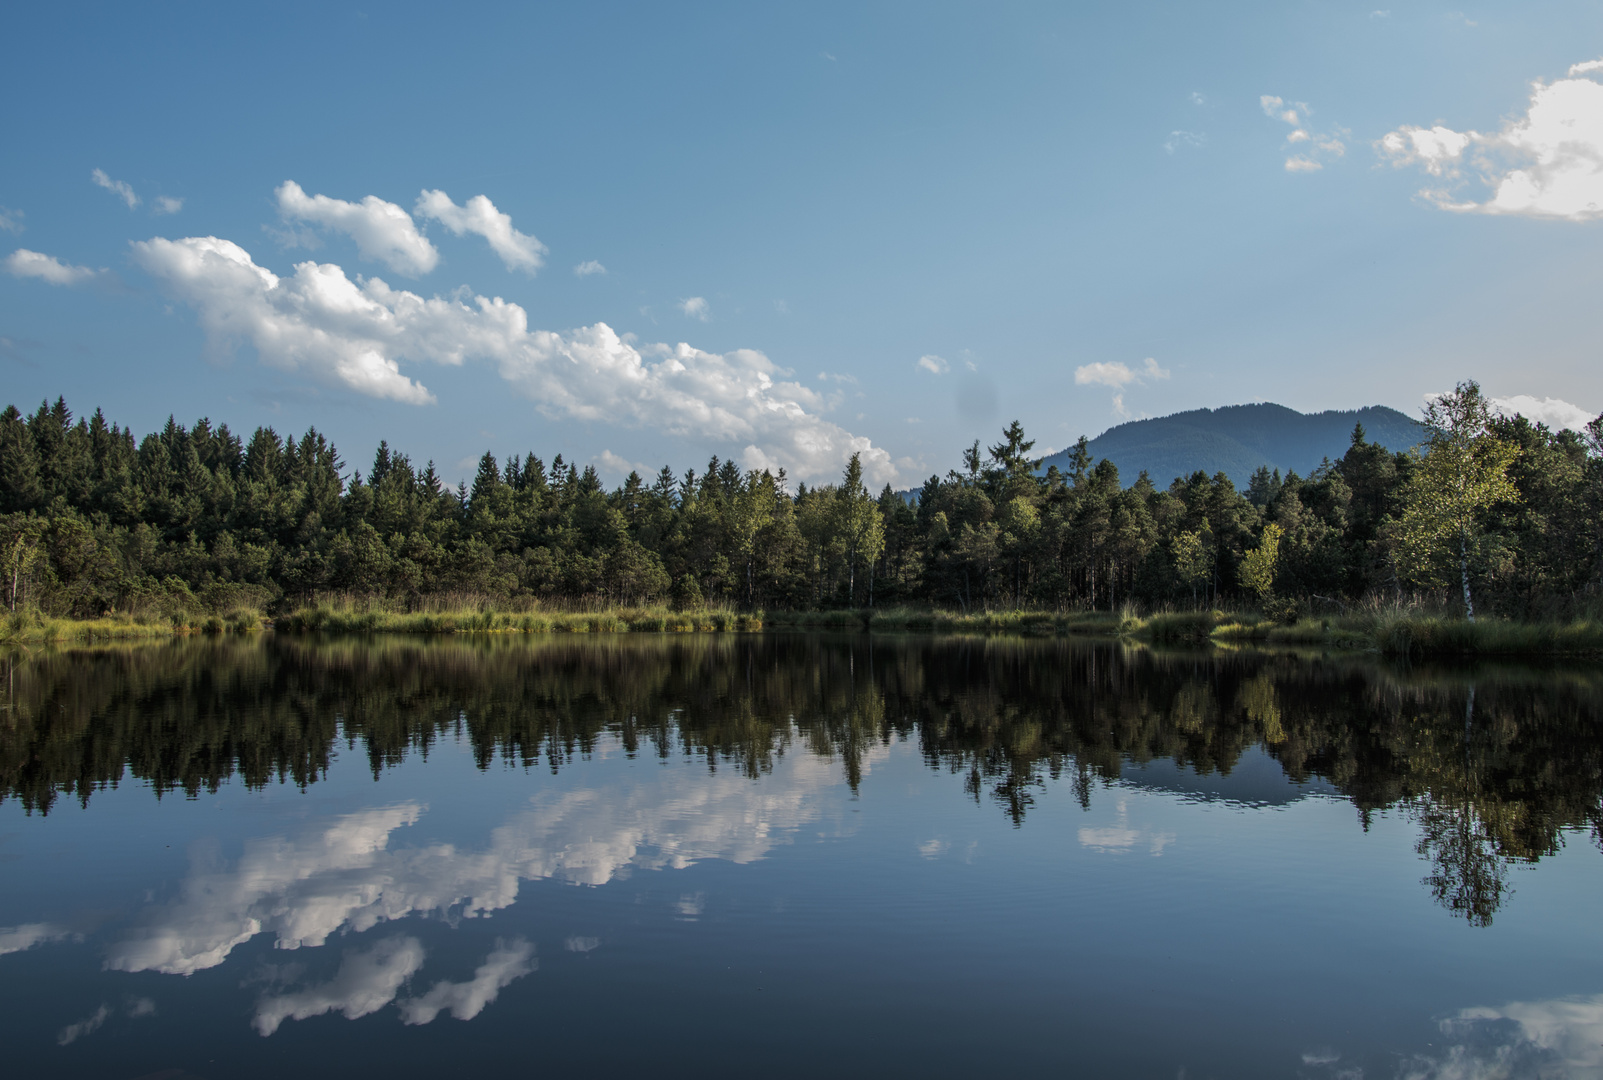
column 794, row 855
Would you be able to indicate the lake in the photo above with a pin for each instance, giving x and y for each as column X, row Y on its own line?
column 794, row 855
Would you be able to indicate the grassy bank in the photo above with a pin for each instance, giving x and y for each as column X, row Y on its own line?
column 924, row 619
column 1391, row 633
column 337, row 619
column 27, row 628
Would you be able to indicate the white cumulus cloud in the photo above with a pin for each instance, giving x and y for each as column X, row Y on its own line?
column 1553, row 412
column 317, row 322
column 383, row 231
column 588, row 267
column 933, row 364
column 367, row 980
column 1436, row 149
column 34, row 264
column 696, row 307
column 619, row 465
column 1546, row 163
column 1118, row 374
column 1314, row 148
column 479, row 216
column 119, row 188
column 356, row 334
column 465, row 1000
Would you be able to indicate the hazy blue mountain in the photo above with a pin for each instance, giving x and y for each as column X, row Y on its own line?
column 1237, row 439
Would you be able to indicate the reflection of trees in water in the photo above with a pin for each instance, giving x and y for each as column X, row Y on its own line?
column 1494, row 772
column 1469, row 872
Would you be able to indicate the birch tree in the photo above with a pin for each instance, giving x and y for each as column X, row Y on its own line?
column 1258, row 568
column 1462, row 473
column 857, row 524
column 19, row 553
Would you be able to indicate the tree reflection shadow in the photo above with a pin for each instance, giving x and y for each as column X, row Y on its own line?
column 1495, row 764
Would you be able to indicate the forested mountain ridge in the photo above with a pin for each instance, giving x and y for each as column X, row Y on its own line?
column 1237, row 439
column 187, row 519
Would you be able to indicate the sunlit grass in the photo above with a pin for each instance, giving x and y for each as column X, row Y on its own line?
column 1393, row 630
column 30, row 627
column 332, row 617
column 934, row 620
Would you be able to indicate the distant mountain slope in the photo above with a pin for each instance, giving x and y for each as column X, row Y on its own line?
column 1237, row 439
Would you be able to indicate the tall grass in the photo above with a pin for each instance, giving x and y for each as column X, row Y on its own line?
column 937, row 621
column 24, row 628
column 1180, row 627
column 367, row 619
column 1403, row 630
column 1391, row 630
column 1436, row 636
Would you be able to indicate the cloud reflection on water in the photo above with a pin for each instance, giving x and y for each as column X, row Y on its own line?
column 465, row 1000
column 348, row 877
column 1121, row 836
column 367, row 980
column 1558, row 1037
column 24, row 937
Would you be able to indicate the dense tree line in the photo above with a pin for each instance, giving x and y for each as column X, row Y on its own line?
column 93, row 519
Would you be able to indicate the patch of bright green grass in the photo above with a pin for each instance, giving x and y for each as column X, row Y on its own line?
column 335, row 618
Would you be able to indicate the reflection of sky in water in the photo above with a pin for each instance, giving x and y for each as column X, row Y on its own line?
column 370, row 978
column 1561, row 1037
column 1558, row 1038
column 21, row 938
column 1120, row 836
column 1225, row 912
column 353, row 873
column 358, row 871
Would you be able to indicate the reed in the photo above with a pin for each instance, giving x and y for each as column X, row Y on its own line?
column 1180, row 627
column 330, row 617
column 1436, row 636
column 30, row 627
column 1394, row 630
column 1406, row 633
column 937, row 621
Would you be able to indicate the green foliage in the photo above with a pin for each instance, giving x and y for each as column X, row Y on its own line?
column 1185, row 628
column 1460, row 477
column 1258, row 568
column 190, row 524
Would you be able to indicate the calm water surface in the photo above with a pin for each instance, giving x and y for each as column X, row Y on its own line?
column 794, row 855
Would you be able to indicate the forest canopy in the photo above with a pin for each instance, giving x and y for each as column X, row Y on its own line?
column 95, row 520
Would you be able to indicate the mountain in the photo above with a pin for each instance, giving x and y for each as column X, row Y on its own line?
column 1236, row 439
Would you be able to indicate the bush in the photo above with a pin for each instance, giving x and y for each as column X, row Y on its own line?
column 1283, row 610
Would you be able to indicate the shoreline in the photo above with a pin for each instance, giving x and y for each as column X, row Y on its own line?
column 1391, row 635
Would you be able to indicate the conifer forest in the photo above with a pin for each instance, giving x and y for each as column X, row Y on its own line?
column 1493, row 513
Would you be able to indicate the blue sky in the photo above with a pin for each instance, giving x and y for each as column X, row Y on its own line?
column 808, row 228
